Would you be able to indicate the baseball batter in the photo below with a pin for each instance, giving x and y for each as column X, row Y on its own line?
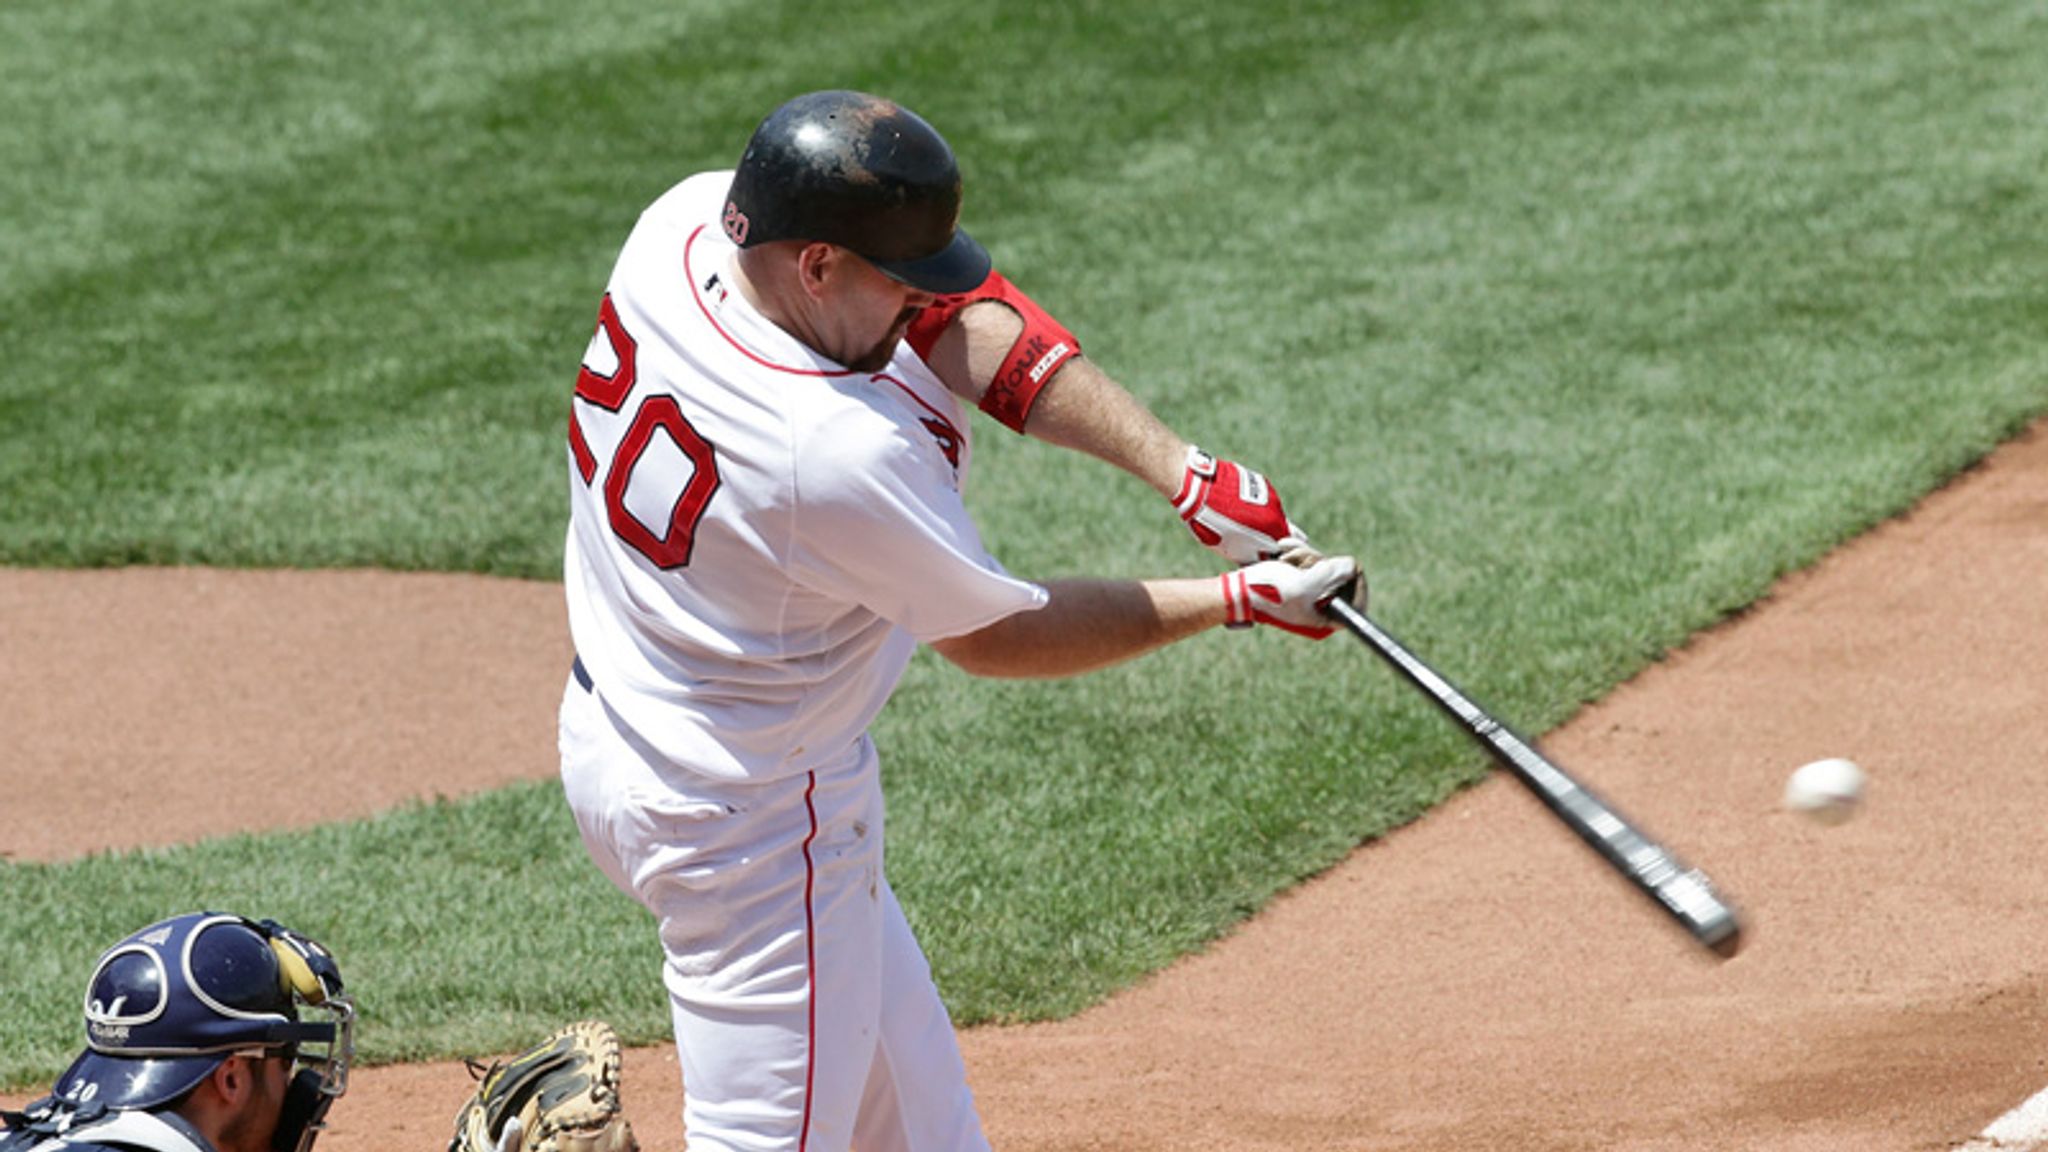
column 767, row 447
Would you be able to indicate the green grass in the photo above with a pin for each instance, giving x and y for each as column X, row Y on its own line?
column 1581, row 323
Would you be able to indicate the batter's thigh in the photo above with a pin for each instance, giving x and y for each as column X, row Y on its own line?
column 767, row 898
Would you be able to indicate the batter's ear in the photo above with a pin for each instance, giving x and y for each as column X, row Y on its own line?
column 815, row 263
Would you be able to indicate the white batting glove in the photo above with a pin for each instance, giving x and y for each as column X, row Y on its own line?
column 1300, row 553
column 1232, row 510
column 513, row 1135
column 1289, row 595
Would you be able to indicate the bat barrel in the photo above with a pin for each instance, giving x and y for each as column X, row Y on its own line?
column 1685, row 894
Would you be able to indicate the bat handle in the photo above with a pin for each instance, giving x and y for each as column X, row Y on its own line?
column 1347, row 614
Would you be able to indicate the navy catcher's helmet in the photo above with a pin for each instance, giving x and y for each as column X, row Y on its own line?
column 170, row 1003
column 864, row 173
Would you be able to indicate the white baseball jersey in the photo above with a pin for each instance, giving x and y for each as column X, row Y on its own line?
column 758, row 536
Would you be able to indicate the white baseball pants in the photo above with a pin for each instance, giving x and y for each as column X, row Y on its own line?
column 805, row 1015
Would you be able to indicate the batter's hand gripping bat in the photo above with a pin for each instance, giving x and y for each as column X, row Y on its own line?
column 1684, row 893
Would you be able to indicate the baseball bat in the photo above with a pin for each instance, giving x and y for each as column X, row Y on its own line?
column 1684, row 893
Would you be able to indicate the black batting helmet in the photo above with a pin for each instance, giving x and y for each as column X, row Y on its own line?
column 861, row 172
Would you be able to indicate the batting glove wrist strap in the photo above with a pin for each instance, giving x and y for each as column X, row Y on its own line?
column 1288, row 596
column 1237, row 600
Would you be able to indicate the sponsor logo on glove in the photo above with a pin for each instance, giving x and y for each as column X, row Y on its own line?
column 1232, row 510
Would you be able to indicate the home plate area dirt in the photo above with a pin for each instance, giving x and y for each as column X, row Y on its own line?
column 1475, row 981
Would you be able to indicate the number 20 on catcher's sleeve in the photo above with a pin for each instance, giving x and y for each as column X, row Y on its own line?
column 656, row 414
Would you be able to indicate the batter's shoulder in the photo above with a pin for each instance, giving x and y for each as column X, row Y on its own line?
column 695, row 200
column 862, row 446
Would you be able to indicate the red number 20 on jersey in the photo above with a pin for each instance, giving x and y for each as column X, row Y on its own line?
column 657, row 414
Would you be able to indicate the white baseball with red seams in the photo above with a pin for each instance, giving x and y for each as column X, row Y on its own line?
column 743, row 514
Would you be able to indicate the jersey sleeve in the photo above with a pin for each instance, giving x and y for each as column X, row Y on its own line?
column 881, row 524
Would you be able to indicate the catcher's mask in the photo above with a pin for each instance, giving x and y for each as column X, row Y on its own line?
column 174, row 1001
column 861, row 172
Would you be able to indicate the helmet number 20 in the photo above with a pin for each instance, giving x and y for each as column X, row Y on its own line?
column 656, row 415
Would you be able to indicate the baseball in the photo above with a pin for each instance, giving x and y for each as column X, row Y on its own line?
column 1826, row 790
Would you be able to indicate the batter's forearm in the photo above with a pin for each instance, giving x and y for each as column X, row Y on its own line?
column 1079, row 408
column 1082, row 409
column 1089, row 624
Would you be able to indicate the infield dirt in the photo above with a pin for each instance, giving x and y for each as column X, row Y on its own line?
column 1475, row 981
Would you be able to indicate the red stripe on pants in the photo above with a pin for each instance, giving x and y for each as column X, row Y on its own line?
column 810, row 965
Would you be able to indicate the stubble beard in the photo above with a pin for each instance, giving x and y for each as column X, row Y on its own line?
column 878, row 357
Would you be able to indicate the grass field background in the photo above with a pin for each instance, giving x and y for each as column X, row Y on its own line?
column 1579, row 323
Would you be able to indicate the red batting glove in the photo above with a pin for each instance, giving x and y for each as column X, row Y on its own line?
column 1232, row 510
column 1286, row 596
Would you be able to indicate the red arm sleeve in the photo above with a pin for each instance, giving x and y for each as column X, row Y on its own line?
column 1044, row 345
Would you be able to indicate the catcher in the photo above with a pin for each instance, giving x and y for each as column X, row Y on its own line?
column 195, row 1043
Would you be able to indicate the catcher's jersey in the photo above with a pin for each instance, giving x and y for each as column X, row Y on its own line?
column 758, row 536
column 126, row 1130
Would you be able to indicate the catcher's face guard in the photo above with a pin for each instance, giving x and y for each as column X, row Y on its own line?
column 313, row 978
column 304, row 1114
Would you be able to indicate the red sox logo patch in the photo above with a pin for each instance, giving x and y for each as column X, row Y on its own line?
column 948, row 438
column 942, row 430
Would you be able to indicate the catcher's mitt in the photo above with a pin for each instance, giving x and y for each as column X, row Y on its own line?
column 564, row 1092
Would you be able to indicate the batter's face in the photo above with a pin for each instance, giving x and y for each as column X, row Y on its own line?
column 862, row 311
